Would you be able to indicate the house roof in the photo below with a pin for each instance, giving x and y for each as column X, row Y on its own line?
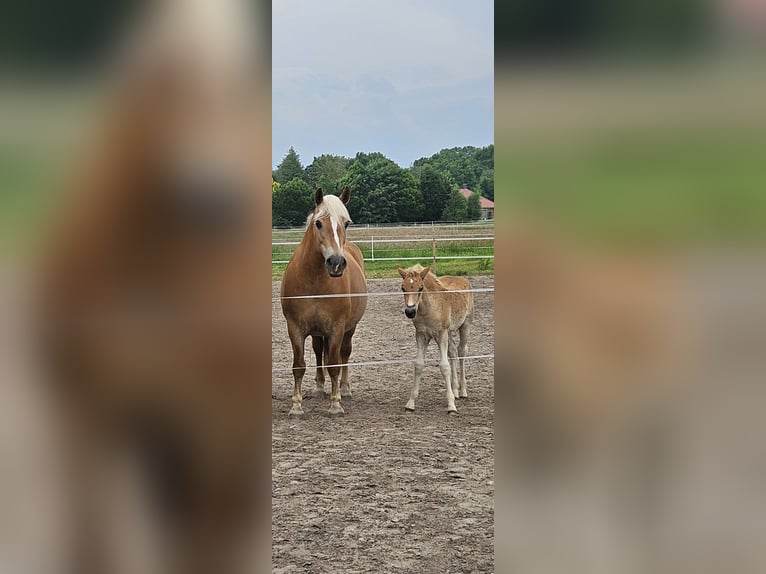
column 485, row 203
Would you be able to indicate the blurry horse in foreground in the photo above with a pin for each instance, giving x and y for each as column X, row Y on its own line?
column 324, row 263
column 436, row 313
column 151, row 313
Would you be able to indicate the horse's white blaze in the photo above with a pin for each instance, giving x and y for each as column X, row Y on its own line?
column 335, row 234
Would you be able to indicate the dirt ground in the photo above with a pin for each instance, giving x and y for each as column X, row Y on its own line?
column 381, row 489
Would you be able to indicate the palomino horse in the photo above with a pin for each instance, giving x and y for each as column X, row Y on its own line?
column 150, row 313
column 436, row 313
column 324, row 264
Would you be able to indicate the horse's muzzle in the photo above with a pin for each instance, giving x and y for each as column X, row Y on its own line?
column 410, row 311
column 336, row 264
column 210, row 209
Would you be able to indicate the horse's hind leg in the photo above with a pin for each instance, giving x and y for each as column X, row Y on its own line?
column 334, row 342
column 444, row 367
column 452, row 354
column 345, row 354
column 317, row 343
column 462, row 349
column 298, row 341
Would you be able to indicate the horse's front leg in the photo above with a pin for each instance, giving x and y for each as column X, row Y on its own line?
column 444, row 367
column 298, row 341
column 334, row 343
column 317, row 343
column 421, row 340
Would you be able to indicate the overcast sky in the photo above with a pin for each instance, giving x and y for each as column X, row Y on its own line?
column 402, row 77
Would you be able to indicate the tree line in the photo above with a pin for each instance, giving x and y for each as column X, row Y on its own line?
column 384, row 192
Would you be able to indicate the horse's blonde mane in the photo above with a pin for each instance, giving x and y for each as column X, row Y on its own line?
column 331, row 206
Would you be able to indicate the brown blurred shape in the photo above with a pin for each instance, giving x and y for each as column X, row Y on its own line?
column 153, row 316
column 594, row 342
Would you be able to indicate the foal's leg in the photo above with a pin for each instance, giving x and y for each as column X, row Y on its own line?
column 444, row 367
column 334, row 342
column 452, row 354
column 422, row 340
column 317, row 343
column 465, row 331
column 298, row 341
column 345, row 354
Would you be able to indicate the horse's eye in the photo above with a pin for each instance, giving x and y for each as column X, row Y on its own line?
column 319, row 224
column 421, row 288
column 402, row 287
column 345, row 225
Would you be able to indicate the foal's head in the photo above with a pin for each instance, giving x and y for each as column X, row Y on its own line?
column 328, row 223
column 413, row 282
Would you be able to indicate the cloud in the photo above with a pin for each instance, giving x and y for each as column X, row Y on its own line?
column 399, row 77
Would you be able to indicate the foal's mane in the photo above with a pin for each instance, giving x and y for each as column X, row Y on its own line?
column 431, row 277
column 331, row 206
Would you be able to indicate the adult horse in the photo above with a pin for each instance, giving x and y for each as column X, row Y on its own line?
column 328, row 265
column 151, row 320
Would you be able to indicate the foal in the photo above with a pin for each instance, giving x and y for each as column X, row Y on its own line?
column 436, row 312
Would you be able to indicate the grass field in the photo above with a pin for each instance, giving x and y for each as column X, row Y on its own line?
column 402, row 246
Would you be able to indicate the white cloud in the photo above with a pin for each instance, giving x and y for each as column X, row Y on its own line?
column 376, row 69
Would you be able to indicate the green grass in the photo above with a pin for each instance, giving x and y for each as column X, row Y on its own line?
column 670, row 188
column 25, row 183
column 483, row 250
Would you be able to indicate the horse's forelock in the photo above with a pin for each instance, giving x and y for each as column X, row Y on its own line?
column 331, row 206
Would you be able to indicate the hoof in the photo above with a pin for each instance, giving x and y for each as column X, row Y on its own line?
column 410, row 406
column 409, row 409
column 345, row 394
column 464, row 395
column 452, row 412
column 296, row 413
column 336, row 411
column 318, row 393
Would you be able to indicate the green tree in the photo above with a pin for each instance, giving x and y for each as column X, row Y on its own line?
column 289, row 168
column 291, row 203
column 436, row 187
column 473, row 207
column 487, row 184
column 456, row 207
column 381, row 191
column 326, row 171
column 464, row 164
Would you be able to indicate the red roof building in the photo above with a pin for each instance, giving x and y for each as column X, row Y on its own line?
column 487, row 205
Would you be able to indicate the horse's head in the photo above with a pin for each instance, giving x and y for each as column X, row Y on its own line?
column 183, row 121
column 413, row 282
column 328, row 223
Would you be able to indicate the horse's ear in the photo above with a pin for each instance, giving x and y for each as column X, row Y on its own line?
column 318, row 196
column 424, row 273
column 345, row 195
column 402, row 272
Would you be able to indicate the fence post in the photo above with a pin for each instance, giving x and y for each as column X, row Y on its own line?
column 372, row 247
column 433, row 246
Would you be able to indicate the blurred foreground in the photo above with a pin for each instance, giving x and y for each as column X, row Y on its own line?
column 631, row 275
column 133, row 435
